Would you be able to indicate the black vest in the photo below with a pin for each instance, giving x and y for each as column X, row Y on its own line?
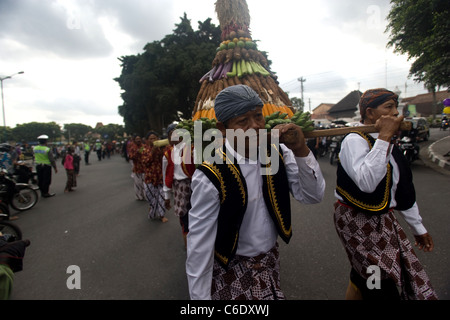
column 232, row 188
column 378, row 201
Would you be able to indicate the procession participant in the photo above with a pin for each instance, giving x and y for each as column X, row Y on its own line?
column 373, row 179
column 153, row 179
column 43, row 157
column 237, row 213
column 178, row 168
column 136, row 151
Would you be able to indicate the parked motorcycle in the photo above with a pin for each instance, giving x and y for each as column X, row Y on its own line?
column 335, row 148
column 23, row 173
column 8, row 228
column 444, row 124
column 20, row 196
column 409, row 148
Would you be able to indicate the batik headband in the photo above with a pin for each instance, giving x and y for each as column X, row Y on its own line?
column 375, row 97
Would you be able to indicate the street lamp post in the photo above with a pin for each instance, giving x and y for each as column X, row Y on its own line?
column 3, row 102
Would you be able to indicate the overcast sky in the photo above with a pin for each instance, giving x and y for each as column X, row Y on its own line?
column 68, row 50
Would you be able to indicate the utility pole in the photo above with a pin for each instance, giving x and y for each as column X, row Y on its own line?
column 3, row 101
column 301, row 80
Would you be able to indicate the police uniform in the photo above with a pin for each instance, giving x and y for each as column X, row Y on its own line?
column 44, row 160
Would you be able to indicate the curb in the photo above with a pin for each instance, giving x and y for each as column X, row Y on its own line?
column 439, row 159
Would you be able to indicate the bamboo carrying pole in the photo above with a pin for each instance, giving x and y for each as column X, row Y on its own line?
column 404, row 126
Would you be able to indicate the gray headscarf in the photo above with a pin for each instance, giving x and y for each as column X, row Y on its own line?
column 235, row 101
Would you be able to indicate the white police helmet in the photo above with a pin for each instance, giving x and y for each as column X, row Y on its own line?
column 43, row 137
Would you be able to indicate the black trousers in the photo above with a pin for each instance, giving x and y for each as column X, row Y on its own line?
column 44, row 176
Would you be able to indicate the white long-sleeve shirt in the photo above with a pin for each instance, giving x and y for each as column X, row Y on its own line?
column 368, row 167
column 258, row 233
column 178, row 173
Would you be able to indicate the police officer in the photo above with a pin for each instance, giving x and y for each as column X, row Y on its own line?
column 44, row 162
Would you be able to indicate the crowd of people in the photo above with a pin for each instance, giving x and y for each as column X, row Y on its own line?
column 233, row 212
column 158, row 178
column 232, row 216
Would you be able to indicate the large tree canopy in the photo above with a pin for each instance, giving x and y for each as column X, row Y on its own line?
column 30, row 131
column 420, row 29
column 164, row 80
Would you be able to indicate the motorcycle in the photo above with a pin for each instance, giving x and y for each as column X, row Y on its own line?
column 23, row 173
column 409, row 148
column 335, row 148
column 20, row 196
column 444, row 124
column 8, row 228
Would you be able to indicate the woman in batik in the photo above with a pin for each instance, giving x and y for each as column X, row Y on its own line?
column 136, row 151
column 373, row 180
column 152, row 161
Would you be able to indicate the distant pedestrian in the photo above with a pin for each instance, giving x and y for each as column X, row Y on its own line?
column 87, row 151
column 137, row 151
column 76, row 158
column 44, row 160
column 152, row 161
column 125, row 150
column 70, row 170
column 98, row 149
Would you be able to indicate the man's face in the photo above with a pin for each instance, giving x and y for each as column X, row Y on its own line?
column 252, row 120
column 389, row 108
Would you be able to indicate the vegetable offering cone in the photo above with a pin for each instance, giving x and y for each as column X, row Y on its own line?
column 238, row 61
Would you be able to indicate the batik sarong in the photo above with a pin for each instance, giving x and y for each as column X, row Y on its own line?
column 155, row 198
column 181, row 196
column 379, row 240
column 139, row 185
column 256, row 278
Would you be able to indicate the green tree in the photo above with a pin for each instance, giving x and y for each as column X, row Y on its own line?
column 111, row 131
column 6, row 134
column 420, row 29
column 76, row 131
column 31, row 131
column 163, row 80
column 297, row 103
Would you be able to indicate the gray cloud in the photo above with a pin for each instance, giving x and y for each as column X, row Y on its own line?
column 47, row 26
column 142, row 19
column 72, row 30
column 364, row 18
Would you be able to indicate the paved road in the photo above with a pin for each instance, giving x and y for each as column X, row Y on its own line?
column 122, row 255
